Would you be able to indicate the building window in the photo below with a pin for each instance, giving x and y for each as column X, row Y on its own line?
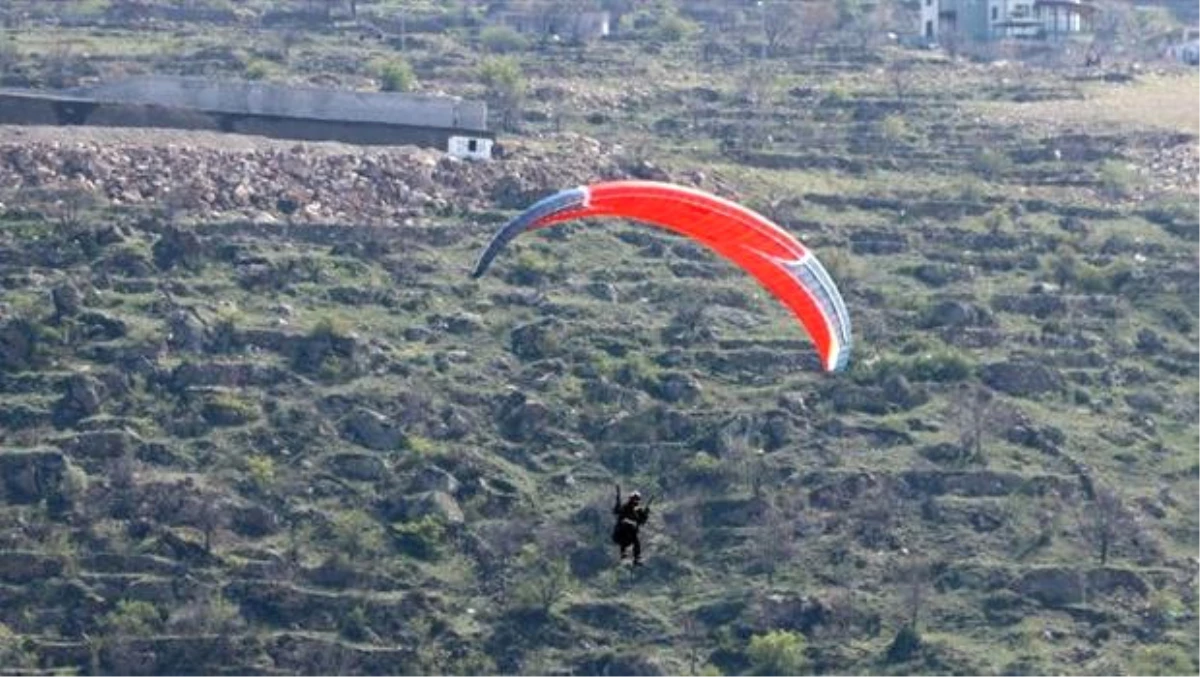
column 995, row 13
column 929, row 30
column 472, row 145
column 929, row 3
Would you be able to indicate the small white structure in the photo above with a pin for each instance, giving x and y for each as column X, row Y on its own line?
column 582, row 26
column 470, row 147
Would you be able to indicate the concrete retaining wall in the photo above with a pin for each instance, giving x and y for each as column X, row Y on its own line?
column 31, row 109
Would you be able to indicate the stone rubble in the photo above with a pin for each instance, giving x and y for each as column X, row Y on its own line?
column 267, row 180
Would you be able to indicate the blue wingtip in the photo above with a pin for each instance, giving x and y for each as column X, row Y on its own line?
column 563, row 200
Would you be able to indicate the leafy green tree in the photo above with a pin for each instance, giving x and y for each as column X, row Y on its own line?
column 505, row 87
column 397, row 76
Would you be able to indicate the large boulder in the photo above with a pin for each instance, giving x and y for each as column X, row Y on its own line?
column 185, row 331
column 176, row 247
column 18, row 345
column 373, row 430
column 31, row 475
column 1022, row 378
column 437, row 504
column 609, row 663
column 82, row 397
column 358, row 466
column 67, row 300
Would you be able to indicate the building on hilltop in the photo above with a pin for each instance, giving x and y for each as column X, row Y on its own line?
column 582, row 26
column 983, row 20
column 451, row 124
column 1183, row 46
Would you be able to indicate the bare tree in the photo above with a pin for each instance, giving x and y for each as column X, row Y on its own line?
column 915, row 580
column 1102, row 520
column 210, row 516
column 543, row 578
column 781, row 24
column 817, row 19
column 862, row 24
column 900, row 74
column 971, row 414
column 776, row 542
column 693, row 635
column 954, row 41
column 686, row 527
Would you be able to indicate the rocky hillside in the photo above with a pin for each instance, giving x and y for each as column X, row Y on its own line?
column 256, row 418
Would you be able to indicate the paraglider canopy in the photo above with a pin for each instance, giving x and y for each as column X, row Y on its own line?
column 774, row 257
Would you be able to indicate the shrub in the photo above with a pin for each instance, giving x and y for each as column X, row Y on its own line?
column 703, row 469
column 227, row 409
column 906, row 644
column 991, row 164
column 260, row 471
column 397, row 76
column 673, row 28
column 1118, row 180
column 1162, row 659
column 257, row 69
column 358, row 535
column 133, row 618
column 502, row 39
column 779, row 652
column 421, row 538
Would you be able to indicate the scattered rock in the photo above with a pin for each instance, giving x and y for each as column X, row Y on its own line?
column 99, row 326
column 18, row 345
column 67, row 300
column 1022, row 378
column 431, row 503
column 609, row 663
column 177, row 247
column 955, row 314
column 28, row 567
column 534, row 341
column 523, row 419
column 81, row 398
column 254, row 521
column 101, row 444
column 373, row 430
column 1149, row 342
column 185, row 331
column 676, row 387
column 433, row 478
column 31, row 475
column 358, row 466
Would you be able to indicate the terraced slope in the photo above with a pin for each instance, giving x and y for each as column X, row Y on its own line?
column 277, row 429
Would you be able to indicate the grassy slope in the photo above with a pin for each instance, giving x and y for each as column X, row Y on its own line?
column 847, row 521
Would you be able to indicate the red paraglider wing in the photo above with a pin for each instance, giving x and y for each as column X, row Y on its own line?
column 775, row 258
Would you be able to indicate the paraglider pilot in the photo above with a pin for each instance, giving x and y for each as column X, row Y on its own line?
column 630, row 518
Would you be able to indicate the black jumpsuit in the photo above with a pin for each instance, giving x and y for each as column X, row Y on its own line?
column 630, row 518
